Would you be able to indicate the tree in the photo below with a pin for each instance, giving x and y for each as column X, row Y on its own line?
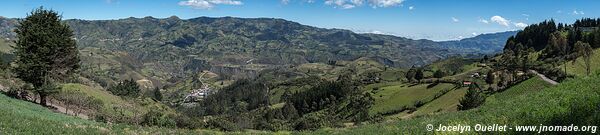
column 485, row 59
column 290, row 111
column 472, row 99
column 411, row 74
column 490, row 78
column 558, row 46
column 419, row 74
column 439, row 74
column 502, row 81
column 157, row 94
column 126, row 88
column 45, row 52
column 584, row 50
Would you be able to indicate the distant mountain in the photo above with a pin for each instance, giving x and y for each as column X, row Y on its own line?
column 484, row 43
column 163, row 50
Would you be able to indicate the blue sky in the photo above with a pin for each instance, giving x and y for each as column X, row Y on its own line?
column 419, row 19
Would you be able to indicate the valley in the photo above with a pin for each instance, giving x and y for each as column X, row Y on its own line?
column 230, row 75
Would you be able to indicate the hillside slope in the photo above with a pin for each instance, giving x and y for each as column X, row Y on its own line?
column 532, row 102
column 21, row 117
column 529, row 103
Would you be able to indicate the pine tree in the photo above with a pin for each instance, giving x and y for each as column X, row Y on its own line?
column 157, row 94
column 419, row 74
column 410, row 75
column 472, row 99
column 490, row 78
column 45, row 52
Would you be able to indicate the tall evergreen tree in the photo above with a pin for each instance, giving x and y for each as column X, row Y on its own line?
column 45, row 51
column 472, row 99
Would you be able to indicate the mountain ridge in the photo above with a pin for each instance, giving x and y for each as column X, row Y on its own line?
column 171, row 48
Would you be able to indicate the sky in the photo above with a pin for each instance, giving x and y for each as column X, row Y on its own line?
column 418, row 19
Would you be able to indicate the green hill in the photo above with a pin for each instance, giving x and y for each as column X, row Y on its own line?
column 532, row 102
column 391, row 98
column 577, row 67
column 21, row 117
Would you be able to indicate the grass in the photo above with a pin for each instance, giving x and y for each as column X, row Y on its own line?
column 533, row 85
column 453, row 64
column 114, row 105
column 532, row 102
column 5, row 46
column 104, row 96
column 394, row 97
column 445, row 103
column 22, row 117
column 577, row 67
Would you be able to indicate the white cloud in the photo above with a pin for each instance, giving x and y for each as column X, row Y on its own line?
column 377, row 32
column 455, row 19
column 474, row 34
column 347, row 4
column 526, row 15
column 385, row 3
column 575, row 12
column 208, row 4
column 411, row 7
column 484, row 21
column 521, row 25
column 285, row 2
column 344, row 4
column 500, row 20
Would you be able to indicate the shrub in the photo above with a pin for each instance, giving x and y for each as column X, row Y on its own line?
column 125, row 88
column 311, row 121
column 222, row 124
column 418, row 103
column 157, row 118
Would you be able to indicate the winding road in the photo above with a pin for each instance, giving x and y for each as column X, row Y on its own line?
column 544, row 77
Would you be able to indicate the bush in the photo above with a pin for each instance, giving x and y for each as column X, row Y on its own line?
column 222, row 124
column 313, row 121
column 156, row 118
column 128, row 88
column 183, row 121
column 418, row 103
column 13, row 93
